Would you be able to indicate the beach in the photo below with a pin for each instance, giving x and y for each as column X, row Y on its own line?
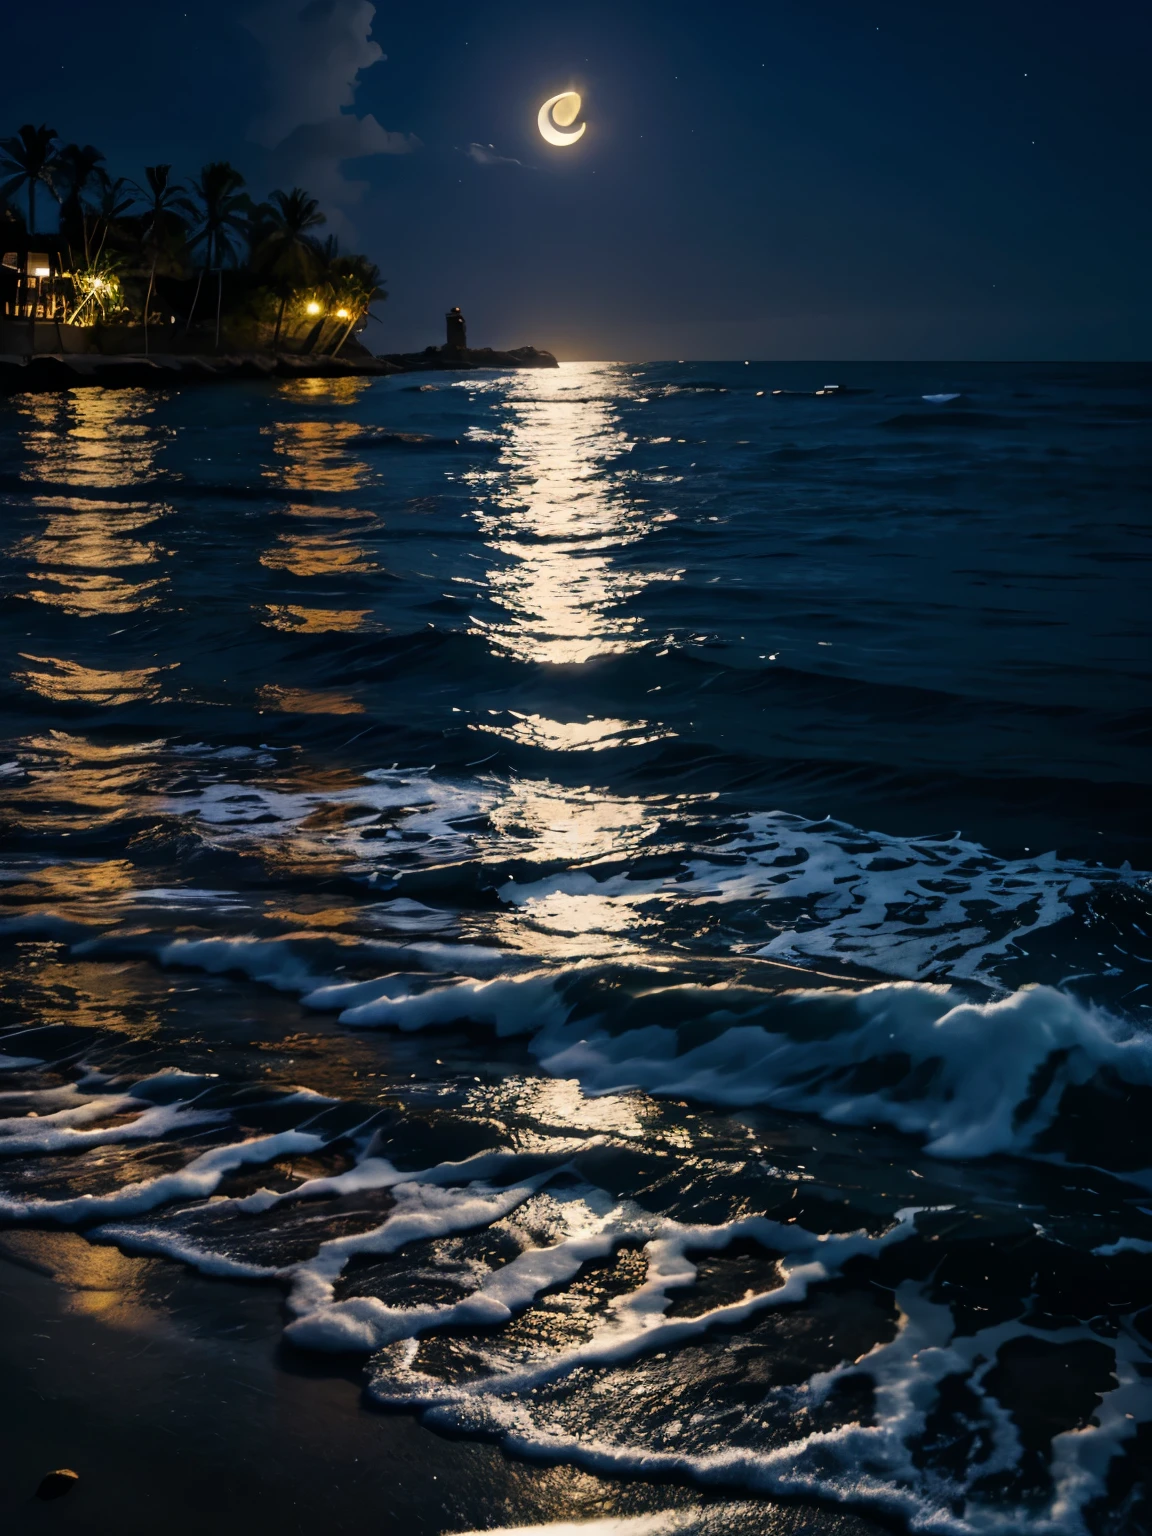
column 575, row 949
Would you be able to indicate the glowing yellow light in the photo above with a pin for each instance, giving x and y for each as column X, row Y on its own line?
column 343, row 314
column 558, row 113
column 312, row 307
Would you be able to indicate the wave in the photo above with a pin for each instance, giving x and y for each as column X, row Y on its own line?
column 468, row 1285
column 949, row 1054
column 920, row 908
column 966, row 1078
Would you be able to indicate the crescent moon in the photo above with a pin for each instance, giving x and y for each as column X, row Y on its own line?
column 561, row 109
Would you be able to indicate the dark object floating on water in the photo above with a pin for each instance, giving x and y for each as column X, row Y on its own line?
column 57, row 1483
column 827, row 389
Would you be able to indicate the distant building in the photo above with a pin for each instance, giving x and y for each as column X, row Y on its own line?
column 33, row 285
column 457, row 330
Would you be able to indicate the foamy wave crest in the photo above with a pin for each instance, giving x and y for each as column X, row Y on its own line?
column 968, row 1078
column 919, row 908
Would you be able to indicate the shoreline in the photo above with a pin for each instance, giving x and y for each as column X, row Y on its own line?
column 48, row 372
column 173, row 1399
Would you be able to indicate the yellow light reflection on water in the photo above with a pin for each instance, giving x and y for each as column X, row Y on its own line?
column 295, row 619
column 83, row 594
column 93, row 437
column 558, row 1107
column 316, row 455
column 91, row 535
column 308, row 701
column 74, row 782
column 548, row 822
column 317, row 554
column 102, row 439
column 73, row 880
column 72, row 682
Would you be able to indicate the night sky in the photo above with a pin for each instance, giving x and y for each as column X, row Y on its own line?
column 780, row 179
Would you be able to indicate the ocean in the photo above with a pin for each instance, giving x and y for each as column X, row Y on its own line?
column 616, row 900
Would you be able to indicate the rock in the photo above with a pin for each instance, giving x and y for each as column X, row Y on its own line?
column 57, row 1483
column 454, row 358
column 57, row 371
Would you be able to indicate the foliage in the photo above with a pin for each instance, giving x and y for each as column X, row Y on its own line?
column 142, row 246
column 283, row 245
column 167, row 208
column 112, row 202
column 26, row 160
column 220, row 212
column 354, row 284
column 73, row 172
column 283, row 248
column 99, row 293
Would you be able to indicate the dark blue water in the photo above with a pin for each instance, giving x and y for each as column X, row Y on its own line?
column 623, row 891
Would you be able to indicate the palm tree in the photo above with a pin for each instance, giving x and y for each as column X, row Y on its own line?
column 357, row 285
column 221, row 216
column 73, row 172
column 166, row 211
column 27, row 159
column 284, row 248
column 328, row 259
column 113, row 201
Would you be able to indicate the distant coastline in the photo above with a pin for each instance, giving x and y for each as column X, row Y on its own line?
column 47, row 372
column 162, row 281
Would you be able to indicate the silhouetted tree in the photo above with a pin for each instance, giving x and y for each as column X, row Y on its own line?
column 166, row 213
column 74, row 172
column 221, row 219
column 26, row 160
column 284, row 250
column 353, row 285
column 114, row 200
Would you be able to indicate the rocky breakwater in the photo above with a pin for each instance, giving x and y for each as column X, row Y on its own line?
column 46, row 371
column 60, row 370
column 452, row 358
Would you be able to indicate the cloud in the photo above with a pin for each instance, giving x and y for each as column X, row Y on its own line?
column 315, row 52
column 485, row 154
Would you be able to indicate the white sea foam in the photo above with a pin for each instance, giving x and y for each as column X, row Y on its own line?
column 969, row 1078
column 196, row 1181
column 962, row 1073
column 63, row 1130
column 427, row 808
column 558, row 1228
column 919, row 908
column 637, row 1324
column 871, row 1464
